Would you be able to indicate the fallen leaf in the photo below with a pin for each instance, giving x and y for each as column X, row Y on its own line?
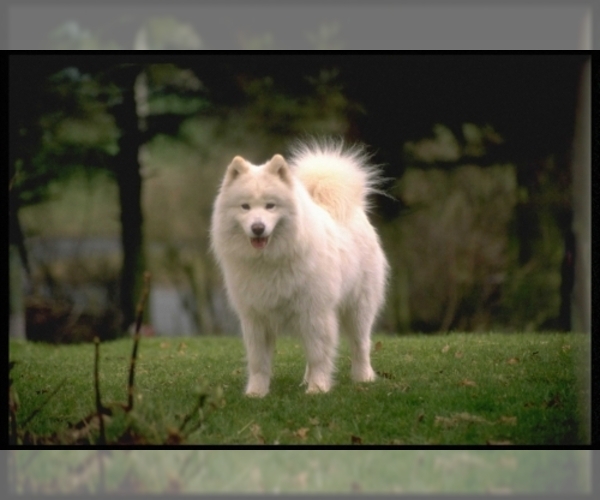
column 445, row 348
column 458, row 354
column 457, row 418
column 444, row 421
column 256, row 433
column 513, row 361
column 555, row 401
column 313, row 421
column 174, row 437
column 164, row 345
column 378, row 346
column 468, row 382
column 467, row 417
column 566, row 347
column 356, row 440
column 508, row 420
column 421, row 417
column 302, row 432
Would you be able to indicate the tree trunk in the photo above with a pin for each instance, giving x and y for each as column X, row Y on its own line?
column 581, row 314
column 16, row 326
column 127, row 170
column 582, row 208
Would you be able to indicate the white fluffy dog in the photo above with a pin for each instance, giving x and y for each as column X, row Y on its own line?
column 299, row 255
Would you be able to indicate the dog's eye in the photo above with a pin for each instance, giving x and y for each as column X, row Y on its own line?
column 245, row 206
column 269, row 206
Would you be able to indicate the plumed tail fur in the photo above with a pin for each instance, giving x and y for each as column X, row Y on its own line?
column 338, row 178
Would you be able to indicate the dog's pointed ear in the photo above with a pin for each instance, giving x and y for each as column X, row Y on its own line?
column 237, row 167
column 279, row 167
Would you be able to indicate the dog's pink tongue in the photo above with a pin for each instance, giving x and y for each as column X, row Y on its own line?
column 259, row 242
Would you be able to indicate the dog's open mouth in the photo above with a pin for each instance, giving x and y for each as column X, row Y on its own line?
column 260, row 242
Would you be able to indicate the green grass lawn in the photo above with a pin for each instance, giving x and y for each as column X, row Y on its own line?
column 472, row 389
column 305, row 471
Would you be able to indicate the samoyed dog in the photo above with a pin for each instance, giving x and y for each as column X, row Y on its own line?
column 299, row 255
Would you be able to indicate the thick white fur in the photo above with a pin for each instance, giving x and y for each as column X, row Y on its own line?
column 322, row 269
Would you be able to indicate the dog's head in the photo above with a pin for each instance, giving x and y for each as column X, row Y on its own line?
column 259, row 198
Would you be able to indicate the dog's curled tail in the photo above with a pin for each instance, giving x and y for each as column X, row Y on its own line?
column 338, row 178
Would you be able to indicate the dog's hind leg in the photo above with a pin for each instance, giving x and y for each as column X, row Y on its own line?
column 357, row 323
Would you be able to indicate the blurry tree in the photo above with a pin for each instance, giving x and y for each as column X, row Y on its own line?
column 85, row 117
column 57, row 127
column 451, row 250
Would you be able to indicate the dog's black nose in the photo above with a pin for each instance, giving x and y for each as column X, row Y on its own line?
column 258, row 228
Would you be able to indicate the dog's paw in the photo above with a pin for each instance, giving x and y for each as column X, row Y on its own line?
column 251, row 394
column 364, row 375
column 317, row 387
column 257, row 388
